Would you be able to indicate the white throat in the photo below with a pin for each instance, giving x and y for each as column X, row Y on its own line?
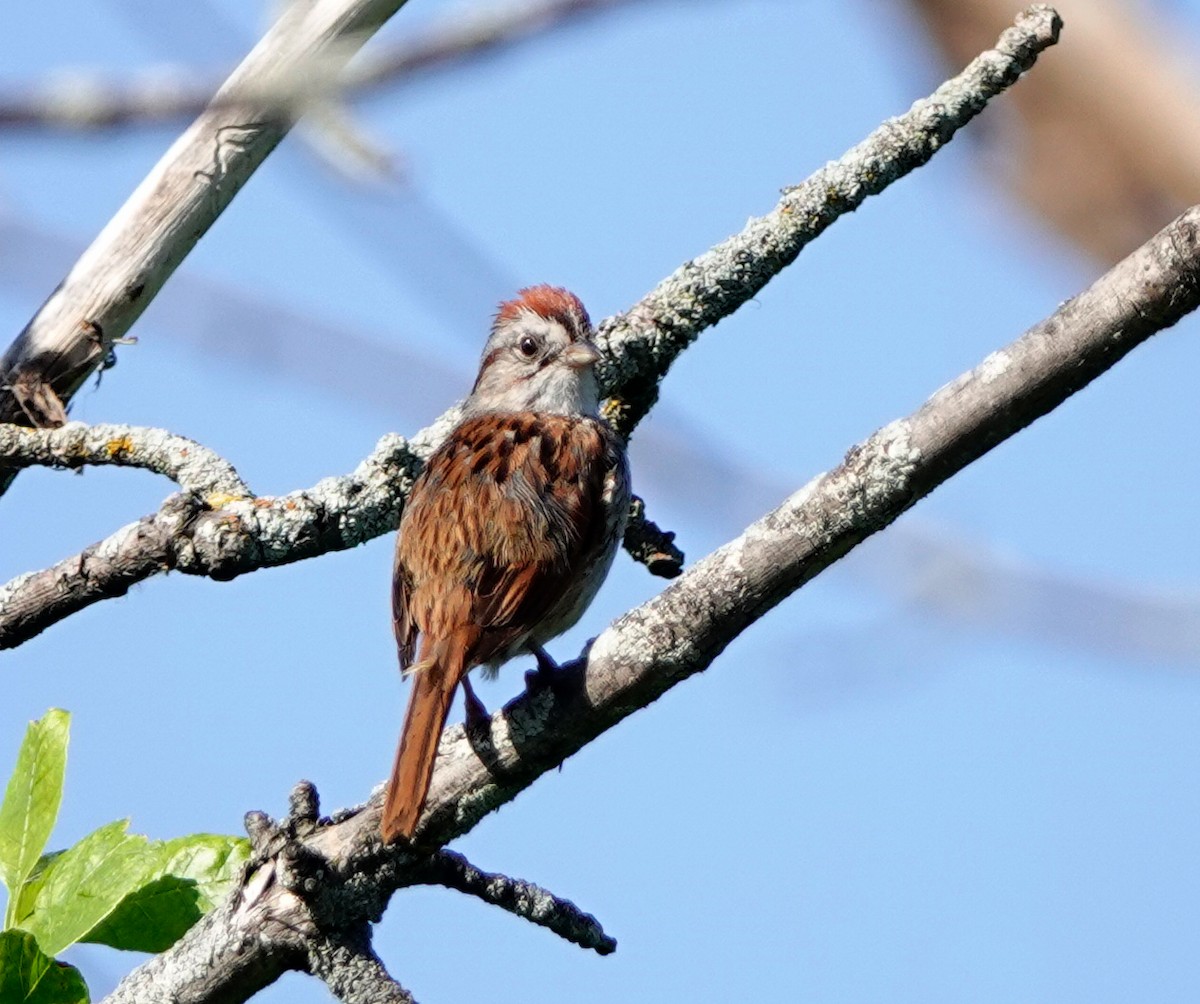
column 557, row 390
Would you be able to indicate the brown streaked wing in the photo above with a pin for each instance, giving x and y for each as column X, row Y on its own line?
column 541, row 478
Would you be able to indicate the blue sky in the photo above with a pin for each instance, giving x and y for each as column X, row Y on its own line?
column 861, row 800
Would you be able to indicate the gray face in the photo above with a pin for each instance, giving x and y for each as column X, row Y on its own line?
column 534, row 363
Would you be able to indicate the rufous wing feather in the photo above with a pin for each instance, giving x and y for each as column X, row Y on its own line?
column 434, row 679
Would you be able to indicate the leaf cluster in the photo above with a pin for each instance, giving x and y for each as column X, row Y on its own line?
column 112, row 888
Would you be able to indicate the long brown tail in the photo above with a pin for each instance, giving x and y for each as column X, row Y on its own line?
column 435, row 678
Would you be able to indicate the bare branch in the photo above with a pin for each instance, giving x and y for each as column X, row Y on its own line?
column 639, row 345
column 681, row 632
column 193, row 467
column 974, row 584
column 466, row 37
column 32, row 601
column 517, row 896
column 243, row 945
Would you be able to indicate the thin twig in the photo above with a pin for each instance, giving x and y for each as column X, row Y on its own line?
column 532, row 902
column 700, row 292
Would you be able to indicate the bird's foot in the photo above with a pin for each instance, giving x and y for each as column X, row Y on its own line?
column 476, row 714
column 547, row 673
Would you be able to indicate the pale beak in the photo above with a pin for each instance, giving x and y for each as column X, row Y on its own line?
column 580, row 355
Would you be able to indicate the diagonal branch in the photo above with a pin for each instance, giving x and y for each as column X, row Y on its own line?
column 681, row 632
column 640, row 346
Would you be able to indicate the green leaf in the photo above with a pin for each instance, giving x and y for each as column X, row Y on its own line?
column 153, row 918
column 27, row 897
column 213, row 860
column 32, row 798
column 29, row 976
column 86, row 882
column 195, row 874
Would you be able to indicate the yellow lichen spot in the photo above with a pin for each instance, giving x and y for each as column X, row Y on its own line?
column 118, row 447
column 218, row 500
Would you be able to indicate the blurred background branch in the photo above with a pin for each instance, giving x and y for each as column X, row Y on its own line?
column 1105, row 145
column 77, row 99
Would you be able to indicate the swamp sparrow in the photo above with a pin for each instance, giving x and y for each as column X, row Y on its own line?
column 509, row 531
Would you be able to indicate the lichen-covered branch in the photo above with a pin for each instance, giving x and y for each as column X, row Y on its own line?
column 193, row 467
column 222, row 541
column 639, row 347
column 700, row 292
column 647, row 651
column 217, row 527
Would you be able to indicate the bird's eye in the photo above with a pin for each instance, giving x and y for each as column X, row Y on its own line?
column 528, row 346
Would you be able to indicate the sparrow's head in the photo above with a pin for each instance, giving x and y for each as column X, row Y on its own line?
column 540, row 357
